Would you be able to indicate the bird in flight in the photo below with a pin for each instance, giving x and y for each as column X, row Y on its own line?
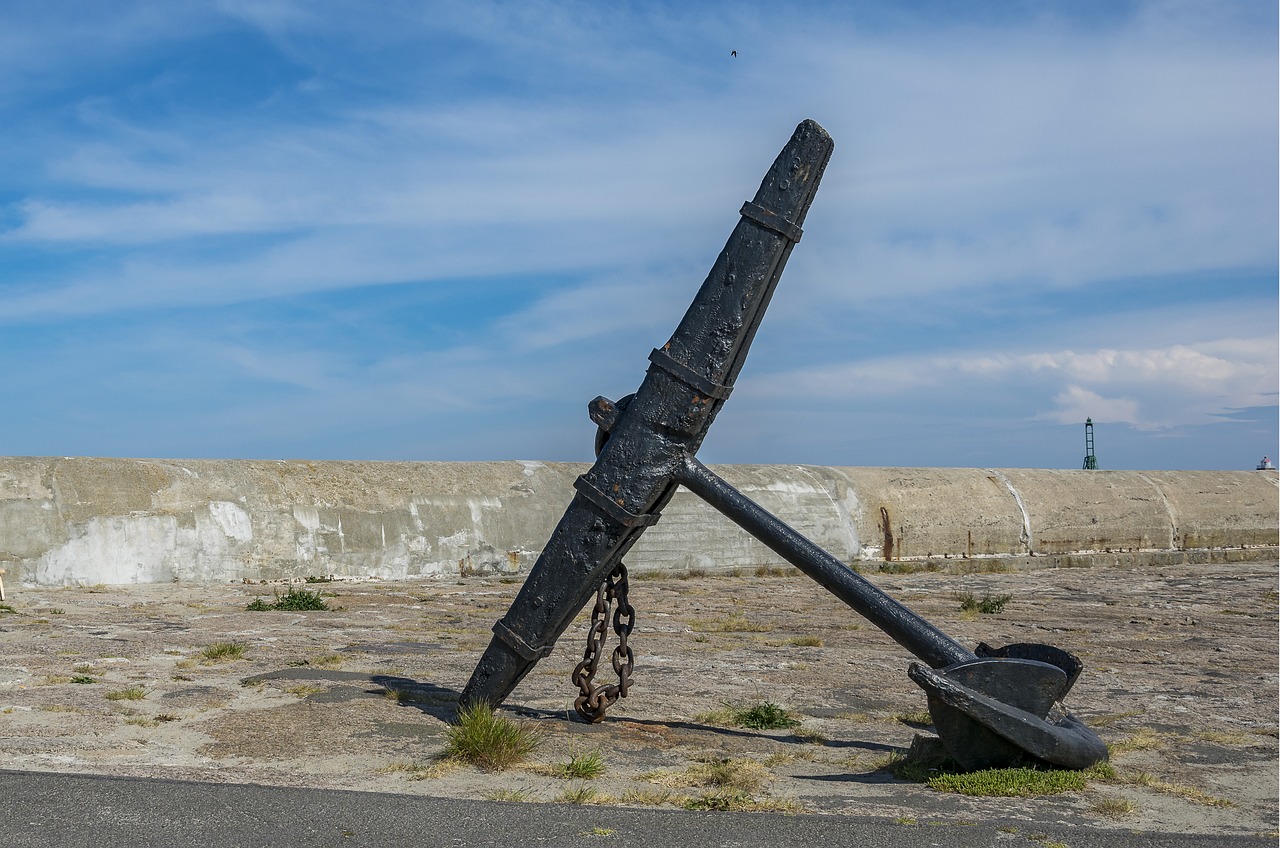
column 733, row 53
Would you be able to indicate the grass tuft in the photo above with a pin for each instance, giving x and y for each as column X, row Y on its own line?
column 489, row 741
column 580, row 766
column 1009, row 782
column 132, row 693
column 220, row 651
column 327, row 661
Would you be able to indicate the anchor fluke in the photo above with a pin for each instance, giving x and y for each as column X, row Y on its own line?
column 994, row 711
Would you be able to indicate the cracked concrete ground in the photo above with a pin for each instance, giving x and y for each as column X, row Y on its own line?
column 1180, row 678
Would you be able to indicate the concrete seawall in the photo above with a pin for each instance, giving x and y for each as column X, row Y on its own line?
column 82, row 521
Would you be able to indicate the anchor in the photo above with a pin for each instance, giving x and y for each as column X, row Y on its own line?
column 990, row 706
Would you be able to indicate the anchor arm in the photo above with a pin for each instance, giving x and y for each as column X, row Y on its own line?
column 990, row 707
column 897, row 621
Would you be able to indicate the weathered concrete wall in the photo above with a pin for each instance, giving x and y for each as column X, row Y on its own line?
column 87, row 521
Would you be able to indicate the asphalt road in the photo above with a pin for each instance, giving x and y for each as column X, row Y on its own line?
column 43, row 809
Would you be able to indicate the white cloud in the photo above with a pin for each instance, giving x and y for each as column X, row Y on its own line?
column 1076, row 404
column 1149, row 388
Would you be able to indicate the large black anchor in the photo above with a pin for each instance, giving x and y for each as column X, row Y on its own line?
column 991, row 707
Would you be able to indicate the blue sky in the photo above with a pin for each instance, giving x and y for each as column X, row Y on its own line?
column 403, row 230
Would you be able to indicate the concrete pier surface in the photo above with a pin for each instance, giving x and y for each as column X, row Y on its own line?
column 85, row 521
column 136, row 681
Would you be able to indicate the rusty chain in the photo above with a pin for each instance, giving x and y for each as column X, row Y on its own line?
column 596, row 698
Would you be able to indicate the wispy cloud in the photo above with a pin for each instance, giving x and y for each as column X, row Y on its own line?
column 1000, row 173
column 1148, row 388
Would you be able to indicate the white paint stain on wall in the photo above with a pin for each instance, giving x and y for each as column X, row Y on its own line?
column 458, row 540
column 141, row 548
column 233, row 520
column 113, row 549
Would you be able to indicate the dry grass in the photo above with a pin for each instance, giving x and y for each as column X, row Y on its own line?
column 1113, row 807
column 327, row 661
column 223, row 651
column 417, row 771
column 734, row 622
column 1181, row 790
column 1142, row 739
column 740, row 774
column 142, row 721
column 1108, row 719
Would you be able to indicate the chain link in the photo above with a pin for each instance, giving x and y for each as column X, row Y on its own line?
column 597, row 698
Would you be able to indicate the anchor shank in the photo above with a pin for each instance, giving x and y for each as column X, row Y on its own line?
column 686, row 384
column 901, row 624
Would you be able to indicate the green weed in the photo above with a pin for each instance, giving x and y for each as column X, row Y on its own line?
column 765, row 716
column 294, row 600
column 988, row 604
